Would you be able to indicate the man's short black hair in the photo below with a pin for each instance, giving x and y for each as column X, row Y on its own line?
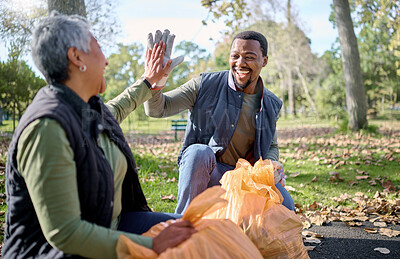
column 253, row 35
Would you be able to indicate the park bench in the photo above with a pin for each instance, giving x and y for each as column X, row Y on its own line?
column 178, row 125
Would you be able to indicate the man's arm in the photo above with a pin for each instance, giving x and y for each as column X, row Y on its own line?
column 273, row 152
column 173, row 102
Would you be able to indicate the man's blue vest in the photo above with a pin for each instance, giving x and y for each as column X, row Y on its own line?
column 82, row 123
column 215, row 115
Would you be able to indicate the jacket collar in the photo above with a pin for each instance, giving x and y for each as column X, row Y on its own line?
column 71, row 98
column 89, row 112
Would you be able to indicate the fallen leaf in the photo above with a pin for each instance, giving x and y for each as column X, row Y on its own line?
column 345, row 196
column 150, row 179
column 346, row 218
column 170, row 197
column 307, row 233
column 362, row 177
column 377, row 195
column 289, row 188
column 389, row 232
column 380, row 224
column 361, row 218
column 294, row 174
column 306, row 224
column 361, row 172
column 372, row 182
column 359, row 194
column 339, row 164
column 335, row 176
column 353, row 223
column 351, row 182
column 389, row 186
column 171, row 180
column 313, row 206
column 312, row 240
column 374, row 219
column 371, row 230
column 382, row 250
column 314, row 179
column 318, row 220
column 163, row 174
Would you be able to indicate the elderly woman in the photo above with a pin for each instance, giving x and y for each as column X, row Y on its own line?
column 71, row 179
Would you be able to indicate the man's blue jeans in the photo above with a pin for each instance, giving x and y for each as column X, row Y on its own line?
column 199, row 170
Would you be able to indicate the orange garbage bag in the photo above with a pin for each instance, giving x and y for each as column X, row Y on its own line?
column 216, row 238
column 255, row 205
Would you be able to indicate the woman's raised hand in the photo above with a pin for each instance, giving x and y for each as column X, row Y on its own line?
column 154, row 69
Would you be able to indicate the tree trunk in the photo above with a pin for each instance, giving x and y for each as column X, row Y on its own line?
column 290, row 86
column 308, row 96
column 68, row 6
column 283, row 91
column 292, row 108
column 355, row 93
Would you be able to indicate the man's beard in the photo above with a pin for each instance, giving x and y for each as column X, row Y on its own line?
column 241, row 86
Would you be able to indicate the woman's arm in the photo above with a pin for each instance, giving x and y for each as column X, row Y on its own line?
column 46, row 161
column 130, row 99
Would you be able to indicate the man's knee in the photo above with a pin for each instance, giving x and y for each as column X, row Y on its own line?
column 198, row 153
column 287, row 199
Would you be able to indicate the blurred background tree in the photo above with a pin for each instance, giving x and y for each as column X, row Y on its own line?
column 309, row 84
column 314, row 85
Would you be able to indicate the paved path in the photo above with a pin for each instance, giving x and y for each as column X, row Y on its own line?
column 342, row 241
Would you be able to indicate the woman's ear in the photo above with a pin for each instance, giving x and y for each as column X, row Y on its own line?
column 75, row 57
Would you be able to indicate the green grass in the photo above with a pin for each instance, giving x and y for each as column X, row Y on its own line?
column 300, row 122
column 314, row 157
column 159, row 178
column 7, row 126
column 346, row 156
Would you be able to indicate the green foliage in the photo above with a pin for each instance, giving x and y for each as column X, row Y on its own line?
column 18, row 18
column 378, row 63
column 124, row 68
column 234, row 12
column 221, row 54
column 379, row 47
column 343, row 127
column 17, row 21
column 18, row 86
column 330, row 96
column 381, row 18
column 196, row 61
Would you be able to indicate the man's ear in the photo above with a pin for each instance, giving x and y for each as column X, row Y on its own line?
column 75, row 57
column 265, row 61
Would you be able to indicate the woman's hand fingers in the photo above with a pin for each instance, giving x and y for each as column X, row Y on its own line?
column 173, row 235
column 154, row 69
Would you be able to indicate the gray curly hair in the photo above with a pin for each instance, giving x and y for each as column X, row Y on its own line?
column 52, row 38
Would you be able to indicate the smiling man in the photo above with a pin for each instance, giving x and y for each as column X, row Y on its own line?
column 232, row 116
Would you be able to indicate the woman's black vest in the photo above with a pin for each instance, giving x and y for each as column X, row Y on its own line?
column 23, row 237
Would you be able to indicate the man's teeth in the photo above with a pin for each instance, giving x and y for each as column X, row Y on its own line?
column 242, row 72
